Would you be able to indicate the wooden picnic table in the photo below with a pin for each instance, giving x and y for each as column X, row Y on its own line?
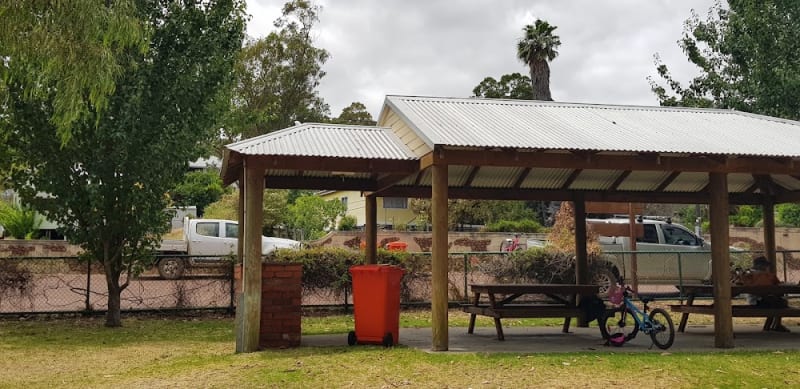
column 738, row 310
column 503, row 302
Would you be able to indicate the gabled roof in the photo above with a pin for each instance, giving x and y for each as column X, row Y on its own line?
column 535, row 150
column 327, row 140
column 312, row 149
column 541, row 125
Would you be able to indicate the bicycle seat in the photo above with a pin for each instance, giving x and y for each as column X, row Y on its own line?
column 646, row 300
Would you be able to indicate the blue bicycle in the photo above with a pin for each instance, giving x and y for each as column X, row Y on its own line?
column 624, row 320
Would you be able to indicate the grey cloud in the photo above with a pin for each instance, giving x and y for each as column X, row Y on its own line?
column 446, row 47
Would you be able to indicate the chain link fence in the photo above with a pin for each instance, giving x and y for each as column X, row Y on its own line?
column 69, row 285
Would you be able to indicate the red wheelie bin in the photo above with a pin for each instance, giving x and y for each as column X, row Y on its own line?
column 376, row 304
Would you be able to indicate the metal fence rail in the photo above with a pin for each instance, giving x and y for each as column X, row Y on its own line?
column 69, row 285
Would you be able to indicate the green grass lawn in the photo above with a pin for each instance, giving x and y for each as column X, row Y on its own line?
column 198, row 352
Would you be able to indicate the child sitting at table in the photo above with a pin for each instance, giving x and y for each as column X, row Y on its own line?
column 760, row 274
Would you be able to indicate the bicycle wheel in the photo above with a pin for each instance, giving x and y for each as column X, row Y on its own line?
column 616, row 321
column 663, row 332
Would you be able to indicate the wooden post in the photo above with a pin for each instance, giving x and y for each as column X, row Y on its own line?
column 439, row 259
column 581, row 257
column 720, row 261
column 371, row 228
column 240, row 258
column 248, row 328
column 769, row 233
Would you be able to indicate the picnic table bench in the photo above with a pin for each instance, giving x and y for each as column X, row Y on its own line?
column 503, row 302
column 737, row 310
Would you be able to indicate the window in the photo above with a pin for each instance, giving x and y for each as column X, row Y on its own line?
column 650, row 234
column 675, row 235
column 395, row 202
column 208, row 229
column 231, row 230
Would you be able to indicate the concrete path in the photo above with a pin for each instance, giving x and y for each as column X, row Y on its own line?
column 527, row 340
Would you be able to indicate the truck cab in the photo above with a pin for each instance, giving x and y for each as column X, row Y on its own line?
column 208, row 242
column 665, row 252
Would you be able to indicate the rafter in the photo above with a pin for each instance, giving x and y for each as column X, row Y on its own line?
column 664, row 184
column 620, row 180
column 471, row 176
column 572, row 177
column 521, row 178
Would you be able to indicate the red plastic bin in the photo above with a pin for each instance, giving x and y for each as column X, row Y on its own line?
column 376, row 304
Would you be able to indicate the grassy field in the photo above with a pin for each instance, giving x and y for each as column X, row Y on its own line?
column 198, row 352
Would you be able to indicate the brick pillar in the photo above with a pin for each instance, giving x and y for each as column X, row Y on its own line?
column 281, row 294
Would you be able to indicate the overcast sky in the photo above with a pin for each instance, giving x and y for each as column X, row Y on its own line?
column 445, row 48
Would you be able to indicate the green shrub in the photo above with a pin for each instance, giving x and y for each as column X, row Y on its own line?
column 536, row 265
column 788, row 215
column 327, row 268
column 19, row 222
column 347, row 223
column 525, row 225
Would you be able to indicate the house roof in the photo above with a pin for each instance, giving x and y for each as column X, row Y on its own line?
column 511, row 149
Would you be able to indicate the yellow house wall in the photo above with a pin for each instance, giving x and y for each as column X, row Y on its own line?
column 356, row 208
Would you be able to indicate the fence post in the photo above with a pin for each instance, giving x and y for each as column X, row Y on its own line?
column 87, row 305
column 680, row 278
column 466, row 269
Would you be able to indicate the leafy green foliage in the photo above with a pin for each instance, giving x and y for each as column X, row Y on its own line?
column 19, row 222
column 326, row 268
column 527, row 225
column 347, row 223
column 355, row 113
column 277, row 76
column 787, row 215
column 106, row 186
column 536, row 48
column 69, row 53
column 511, row 86
column 313, row 215
column 747, row 55
column 199, row 188
column 747, row 216
column 275, row 209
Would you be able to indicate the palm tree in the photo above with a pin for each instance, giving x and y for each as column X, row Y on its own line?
column 536, row 48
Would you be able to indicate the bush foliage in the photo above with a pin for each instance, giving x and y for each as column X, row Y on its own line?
column 326, row 268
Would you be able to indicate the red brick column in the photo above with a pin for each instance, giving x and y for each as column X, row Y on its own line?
column 281, row 294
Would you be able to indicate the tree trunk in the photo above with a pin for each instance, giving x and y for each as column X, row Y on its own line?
column 540, row 80
column 113, row 316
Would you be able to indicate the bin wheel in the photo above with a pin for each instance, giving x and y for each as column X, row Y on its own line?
column 351, row 338
column 388, row 340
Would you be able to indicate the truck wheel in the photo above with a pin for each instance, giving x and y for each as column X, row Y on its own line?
column 604, row 277
column 170, row 268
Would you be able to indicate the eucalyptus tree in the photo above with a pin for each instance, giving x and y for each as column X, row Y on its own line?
column 107, row 184
column 748, row 56
column 68, row 50
column 510, row 86
column 536, row 48
column 277, row 76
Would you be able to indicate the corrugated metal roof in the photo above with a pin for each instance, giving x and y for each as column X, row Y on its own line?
column 327, row 140
column 473, row 122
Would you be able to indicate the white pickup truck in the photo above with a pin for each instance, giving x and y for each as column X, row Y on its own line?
column 207, row 243
column 666, row 253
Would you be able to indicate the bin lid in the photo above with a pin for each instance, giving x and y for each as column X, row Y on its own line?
column 381, row 267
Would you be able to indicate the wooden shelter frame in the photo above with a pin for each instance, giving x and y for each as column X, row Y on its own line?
column 252, row 171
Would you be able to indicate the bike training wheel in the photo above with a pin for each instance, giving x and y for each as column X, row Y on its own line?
column 351, row 338
column 616, row 321
column 663, row 333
